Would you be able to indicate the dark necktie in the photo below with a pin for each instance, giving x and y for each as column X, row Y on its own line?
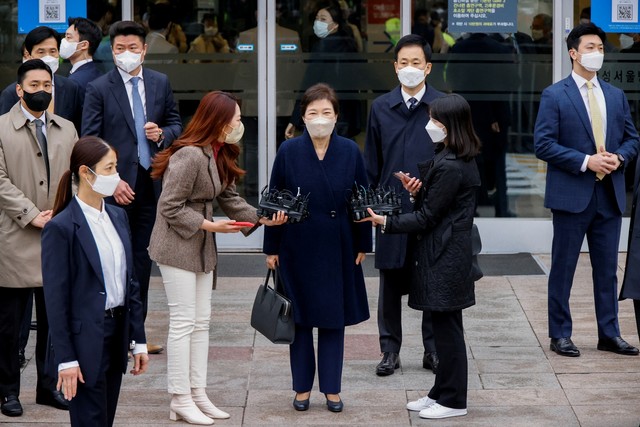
column 144, row 152
column 42, row 140
column 413, row 103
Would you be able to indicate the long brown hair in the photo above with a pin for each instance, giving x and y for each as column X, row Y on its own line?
column 88, row 151
column 215, row 112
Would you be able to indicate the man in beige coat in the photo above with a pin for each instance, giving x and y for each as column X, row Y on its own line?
column 35, row 148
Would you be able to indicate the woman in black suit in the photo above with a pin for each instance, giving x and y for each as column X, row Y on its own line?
column 443, row 276
column 93, row 302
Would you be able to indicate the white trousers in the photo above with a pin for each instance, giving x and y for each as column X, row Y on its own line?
column 189, row 300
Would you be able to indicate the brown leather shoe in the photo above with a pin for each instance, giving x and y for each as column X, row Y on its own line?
column 154, row 349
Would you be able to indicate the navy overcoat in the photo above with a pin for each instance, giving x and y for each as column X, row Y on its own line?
column 317, row 256
column 396, row 141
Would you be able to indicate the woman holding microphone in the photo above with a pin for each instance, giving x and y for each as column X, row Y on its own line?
column 440, row 226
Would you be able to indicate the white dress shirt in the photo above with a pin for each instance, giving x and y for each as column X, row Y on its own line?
column 79, row 64
column 31, row 118
column 126, row 78
column 418, row 96
column 581, row 82
column 111, row 251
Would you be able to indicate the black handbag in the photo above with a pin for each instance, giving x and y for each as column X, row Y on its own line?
column 272, row 313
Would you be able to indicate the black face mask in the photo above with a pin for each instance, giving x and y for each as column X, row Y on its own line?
column 37, row 101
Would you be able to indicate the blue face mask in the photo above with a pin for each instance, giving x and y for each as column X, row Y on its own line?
column 321, row 29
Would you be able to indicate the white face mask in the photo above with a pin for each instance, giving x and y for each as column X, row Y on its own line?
column 591, row 61
column 67, row 48
column 625, row 41
column 537, row 34
column 52, row 62
column 235, row 135
column 321, row 29
column 128, row 61
column 411, row 77
column 210, row 31
column 105, row 184
column 320, row 127
column 436, row 133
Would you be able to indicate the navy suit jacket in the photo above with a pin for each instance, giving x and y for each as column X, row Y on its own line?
column 85, row 74
column 396, row 140
column 67, row 102
column 563, row 136
column 107, row 114
column 75, row 292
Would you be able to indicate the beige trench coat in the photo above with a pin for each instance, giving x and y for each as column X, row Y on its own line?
column 23, row 191
column 189, row 185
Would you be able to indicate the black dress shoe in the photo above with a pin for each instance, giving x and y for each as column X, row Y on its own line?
column 564, row 347
column 11, row 406
column 334, row 406
column 22, row 359
column 617, row 345
column 300, row 405
column 52, row 398
column 430, row 361
column 389, row 363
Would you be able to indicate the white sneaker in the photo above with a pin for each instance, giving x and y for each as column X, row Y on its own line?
column 420, row 404
column 436, row 411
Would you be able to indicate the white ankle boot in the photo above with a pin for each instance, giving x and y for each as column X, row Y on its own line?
column 204, row 404
column 183, row 407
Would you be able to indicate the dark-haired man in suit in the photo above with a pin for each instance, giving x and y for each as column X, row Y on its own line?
column 397, row 141
column 133, row 109
column 585, row 133
column 44, row 43
column 35, row 147
column 80, row 42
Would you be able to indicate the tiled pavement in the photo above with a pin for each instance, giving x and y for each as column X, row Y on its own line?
column 514, row 380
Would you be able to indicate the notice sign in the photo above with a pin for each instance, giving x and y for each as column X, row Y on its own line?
column 616, row 16
column 483, row 16
column 50, row 13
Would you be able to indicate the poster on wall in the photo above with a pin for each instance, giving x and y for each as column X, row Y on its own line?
column 489, row 16
column 50, row 13
column 616, row 16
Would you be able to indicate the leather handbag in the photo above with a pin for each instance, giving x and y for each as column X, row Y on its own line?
column 272, row 313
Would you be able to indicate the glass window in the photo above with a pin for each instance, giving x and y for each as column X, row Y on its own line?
column 502, row 76
column 204, row 46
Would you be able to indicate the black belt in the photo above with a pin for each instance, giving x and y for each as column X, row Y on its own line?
column 114, row 312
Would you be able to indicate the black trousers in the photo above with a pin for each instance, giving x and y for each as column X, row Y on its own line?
column 394, row 283
column 13, row 302
column 450, row 388
column 95, row 406
column 142, row 215
column 330, row 359
column 636, row 309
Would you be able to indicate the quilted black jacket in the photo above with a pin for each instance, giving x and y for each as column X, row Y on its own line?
column 440, row 228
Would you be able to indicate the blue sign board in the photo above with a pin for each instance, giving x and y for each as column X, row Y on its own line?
column 483, row 16
column 50, row 13
column 616, row 16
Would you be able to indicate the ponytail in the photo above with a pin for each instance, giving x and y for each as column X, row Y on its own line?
column 64, row 194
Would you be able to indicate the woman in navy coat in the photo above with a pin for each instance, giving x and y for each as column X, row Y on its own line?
column 320, row 258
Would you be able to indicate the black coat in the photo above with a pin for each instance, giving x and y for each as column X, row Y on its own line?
column 440, row 241
column 631, row 282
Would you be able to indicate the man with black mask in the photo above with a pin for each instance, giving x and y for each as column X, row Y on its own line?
column 35, row 148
